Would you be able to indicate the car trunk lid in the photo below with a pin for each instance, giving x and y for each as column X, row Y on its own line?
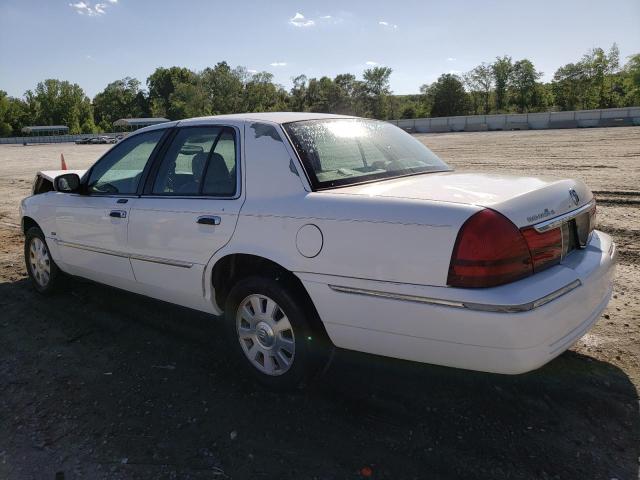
column 525, row 200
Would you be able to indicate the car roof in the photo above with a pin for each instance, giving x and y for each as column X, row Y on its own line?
column 274, row 117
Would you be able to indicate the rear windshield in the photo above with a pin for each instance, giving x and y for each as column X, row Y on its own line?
column 340, row 152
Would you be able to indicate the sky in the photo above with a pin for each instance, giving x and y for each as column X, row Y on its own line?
column 94, row 43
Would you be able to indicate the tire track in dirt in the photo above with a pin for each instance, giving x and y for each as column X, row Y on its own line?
column 617, row 197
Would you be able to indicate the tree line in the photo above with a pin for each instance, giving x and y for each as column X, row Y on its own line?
column 597, row 80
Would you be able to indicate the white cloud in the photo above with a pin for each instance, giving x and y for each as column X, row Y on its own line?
column 252, row 71
column 454, row 72
column 391, row 26
column 84, row 8
column 451, row 59
column 278, row 64
column 371, row 63
column 326, row 17
column 298, row 20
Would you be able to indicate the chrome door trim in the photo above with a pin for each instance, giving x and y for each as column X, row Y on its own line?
column 162, row 261
column 557, row 221
column 114, row 253
column 524, row 307
column 90, row 248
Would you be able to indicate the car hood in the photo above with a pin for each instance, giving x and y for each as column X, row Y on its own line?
column 525, row 200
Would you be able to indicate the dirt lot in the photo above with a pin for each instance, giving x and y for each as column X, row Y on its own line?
column 97, row 383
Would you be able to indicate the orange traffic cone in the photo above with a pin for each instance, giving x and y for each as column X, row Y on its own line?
column 63, row 164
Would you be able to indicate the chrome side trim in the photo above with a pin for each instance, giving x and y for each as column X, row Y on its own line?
column 163, row 261
column 557, row 221
column 396, row 296
column 144, row 258
column 524, row 307
column 89, row 248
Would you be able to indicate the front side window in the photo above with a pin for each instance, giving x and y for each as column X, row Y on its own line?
column 120, row 170
column 200, row 161
column 338, row 152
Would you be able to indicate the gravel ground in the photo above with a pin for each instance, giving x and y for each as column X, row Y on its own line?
column 98, row 383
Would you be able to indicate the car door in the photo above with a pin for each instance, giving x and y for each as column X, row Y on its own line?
column 187, row 212
column 91, row 228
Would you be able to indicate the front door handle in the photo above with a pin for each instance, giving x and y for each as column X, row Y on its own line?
column 209, row 220
column 118, row 213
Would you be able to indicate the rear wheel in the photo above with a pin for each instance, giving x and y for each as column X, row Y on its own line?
column 270, row 330
column 43, row 272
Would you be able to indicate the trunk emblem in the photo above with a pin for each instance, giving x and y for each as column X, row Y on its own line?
column 541, row 215
column 574, row 196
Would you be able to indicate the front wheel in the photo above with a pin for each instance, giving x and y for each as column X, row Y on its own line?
column 270, row 330
column 43, row 272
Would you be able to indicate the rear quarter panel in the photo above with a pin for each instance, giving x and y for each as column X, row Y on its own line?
column 387, row 239
column 380, row 239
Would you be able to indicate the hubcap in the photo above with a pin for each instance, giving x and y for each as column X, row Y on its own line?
column 265, row 335
column 40, row 262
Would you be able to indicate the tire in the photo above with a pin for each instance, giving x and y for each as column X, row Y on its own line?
column 281, row 356
column 43, row 272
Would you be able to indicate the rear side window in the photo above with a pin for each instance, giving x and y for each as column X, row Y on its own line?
column 220, row 177
column 199, row 161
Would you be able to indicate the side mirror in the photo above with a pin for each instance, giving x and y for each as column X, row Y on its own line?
column 67, row 183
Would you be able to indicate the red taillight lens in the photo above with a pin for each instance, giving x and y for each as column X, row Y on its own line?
column 489, row 251
column 545, row 247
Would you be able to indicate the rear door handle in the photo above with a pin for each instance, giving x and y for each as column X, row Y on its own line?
column 209, row 220
column 118, row 213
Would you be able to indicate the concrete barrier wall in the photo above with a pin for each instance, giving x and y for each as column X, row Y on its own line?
column 612, row 117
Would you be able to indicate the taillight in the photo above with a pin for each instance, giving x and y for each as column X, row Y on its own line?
column 545, row 247
column 489, row 251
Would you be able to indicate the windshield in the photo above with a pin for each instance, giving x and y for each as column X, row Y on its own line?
column 340, row 152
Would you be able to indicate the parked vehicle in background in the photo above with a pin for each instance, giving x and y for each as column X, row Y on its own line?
column 101, row 139
column 309, row 231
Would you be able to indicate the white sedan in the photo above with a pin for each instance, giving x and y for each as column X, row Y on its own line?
column 310, row 231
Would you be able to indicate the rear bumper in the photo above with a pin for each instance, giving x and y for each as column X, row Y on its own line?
column 505, row 340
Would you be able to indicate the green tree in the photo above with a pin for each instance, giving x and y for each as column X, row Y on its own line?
column 120, row 99
column 376, row 88
column 347, row 87
column 189, row 100
column 480, row 80
column 409, row 111
column 569, row 86
column 501, row 68
column 523, row 84
column 56, row 102
column 297, row 99
column 223, row 87
column 602, row 70
column 595, row 81
column 5, row 120
column 631, row 80
column 262, row 95
column 161, row 84
column 449, row 96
